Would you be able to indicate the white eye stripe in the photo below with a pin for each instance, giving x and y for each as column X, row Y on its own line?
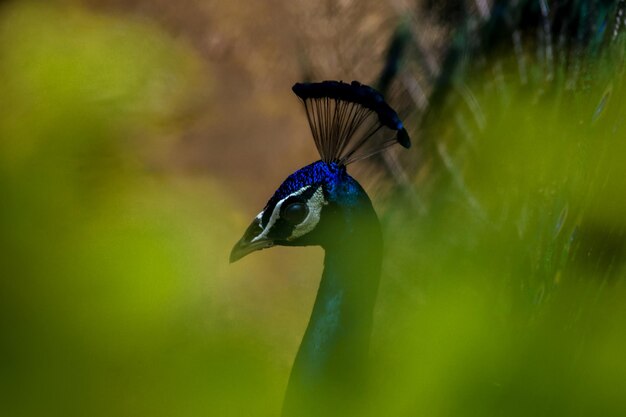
column 315, row 204
column 276, row 214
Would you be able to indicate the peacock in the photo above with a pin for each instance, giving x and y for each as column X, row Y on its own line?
column 518, row 181
column 321, row 204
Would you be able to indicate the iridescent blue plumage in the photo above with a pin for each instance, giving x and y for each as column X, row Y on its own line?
column 313, row 174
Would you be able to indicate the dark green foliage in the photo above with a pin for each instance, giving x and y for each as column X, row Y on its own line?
column 506, row 293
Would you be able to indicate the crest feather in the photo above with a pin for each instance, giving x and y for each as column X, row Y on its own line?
column 349, row 121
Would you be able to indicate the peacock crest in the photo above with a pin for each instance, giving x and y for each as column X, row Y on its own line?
column 349, row 122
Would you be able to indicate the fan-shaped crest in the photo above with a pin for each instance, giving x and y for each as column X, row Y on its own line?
column 349, row 121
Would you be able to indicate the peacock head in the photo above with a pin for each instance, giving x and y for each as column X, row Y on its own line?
column 314, row 205
column 304, row 209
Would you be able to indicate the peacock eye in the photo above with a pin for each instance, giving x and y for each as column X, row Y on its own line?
column 295, row 213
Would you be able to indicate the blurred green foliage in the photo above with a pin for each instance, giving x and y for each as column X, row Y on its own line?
column 505, row 297
column 108, row 271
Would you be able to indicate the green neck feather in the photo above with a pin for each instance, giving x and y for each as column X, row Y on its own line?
column 330, row 367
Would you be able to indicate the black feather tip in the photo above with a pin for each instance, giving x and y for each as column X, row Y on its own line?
column 349, row 121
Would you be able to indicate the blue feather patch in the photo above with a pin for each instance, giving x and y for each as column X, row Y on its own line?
column 313, row 175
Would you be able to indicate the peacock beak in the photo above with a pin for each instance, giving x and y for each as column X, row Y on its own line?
column 250, row 242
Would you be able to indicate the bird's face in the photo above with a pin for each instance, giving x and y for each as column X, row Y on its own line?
column 299, row 212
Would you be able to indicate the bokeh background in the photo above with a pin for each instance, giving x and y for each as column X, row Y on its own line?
column 139, row 138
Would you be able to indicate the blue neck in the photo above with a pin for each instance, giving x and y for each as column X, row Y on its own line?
column 331, row 362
